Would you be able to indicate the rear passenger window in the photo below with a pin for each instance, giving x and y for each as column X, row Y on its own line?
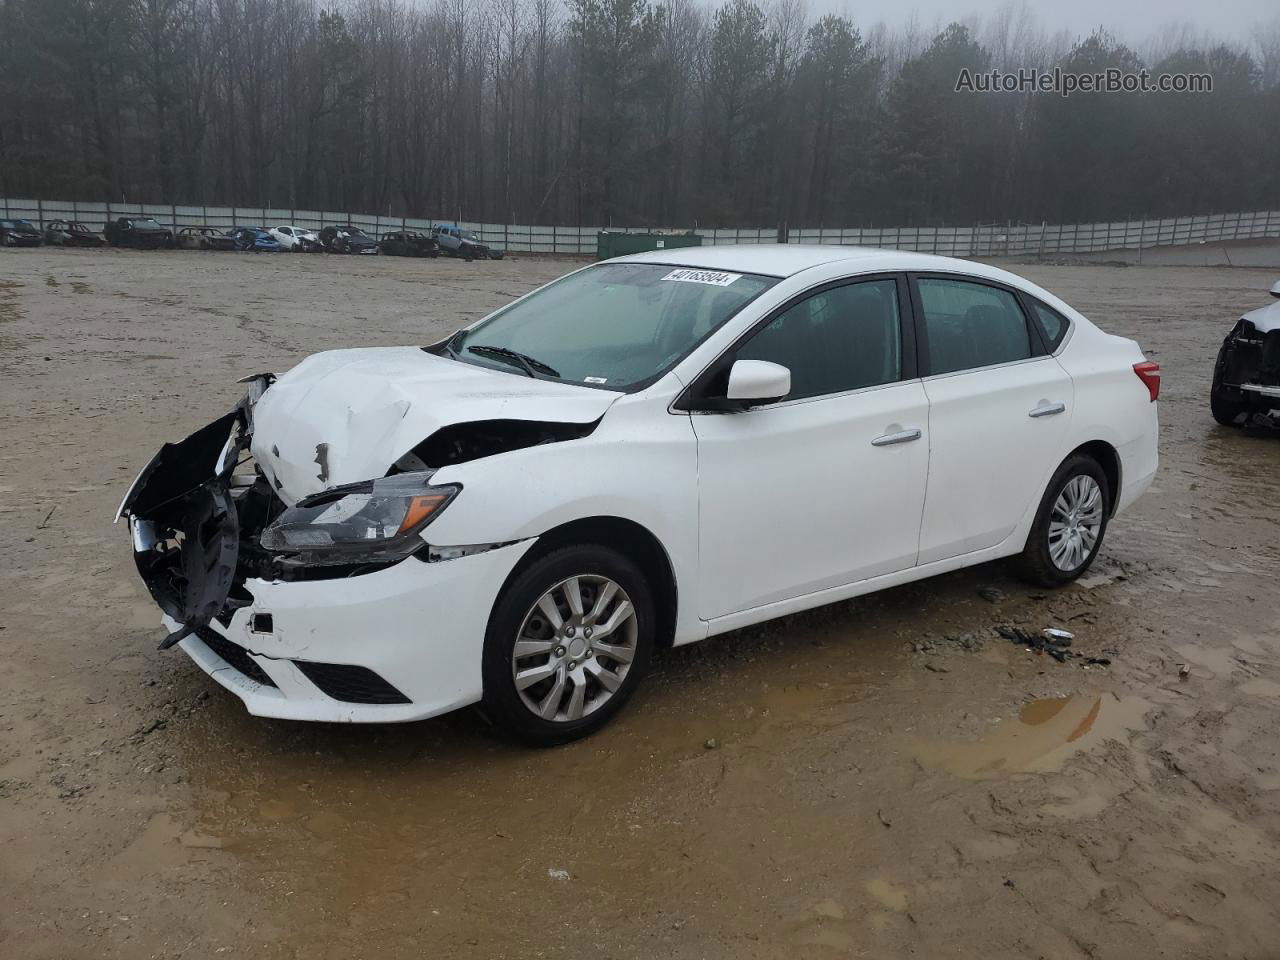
column 971, row 325
column 843, row 338
column 1052, row 323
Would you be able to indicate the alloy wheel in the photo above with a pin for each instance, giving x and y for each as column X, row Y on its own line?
column 574, row 648
column 1075, row 522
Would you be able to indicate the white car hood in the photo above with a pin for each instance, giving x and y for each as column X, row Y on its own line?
column 1265, row 319
column 347, row 415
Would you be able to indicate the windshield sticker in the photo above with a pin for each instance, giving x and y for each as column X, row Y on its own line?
column 713, row 277
column 595, row 379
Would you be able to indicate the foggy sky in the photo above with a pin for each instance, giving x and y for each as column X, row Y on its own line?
column 1133, row 21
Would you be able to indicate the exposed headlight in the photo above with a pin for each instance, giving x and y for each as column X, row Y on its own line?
column 378, row 520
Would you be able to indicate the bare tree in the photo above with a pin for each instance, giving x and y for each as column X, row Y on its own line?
column 664, row 112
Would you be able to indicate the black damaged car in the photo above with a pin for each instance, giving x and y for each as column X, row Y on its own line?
column 141, row 233
column 408, row 243
column 71, row 233
column 18, row 233
column 347, row 239
column 1246, row 376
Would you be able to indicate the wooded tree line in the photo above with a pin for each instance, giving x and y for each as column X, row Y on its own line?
column 630, row 112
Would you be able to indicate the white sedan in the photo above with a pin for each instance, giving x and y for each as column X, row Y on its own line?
column 646, row 452
column 296, row 239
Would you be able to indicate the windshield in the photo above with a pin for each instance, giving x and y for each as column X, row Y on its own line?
column 615, row 326
column 148, row 222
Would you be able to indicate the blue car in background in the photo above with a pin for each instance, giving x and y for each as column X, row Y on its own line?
column 255, row 239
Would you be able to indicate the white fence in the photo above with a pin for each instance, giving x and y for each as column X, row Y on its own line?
column 977, row 241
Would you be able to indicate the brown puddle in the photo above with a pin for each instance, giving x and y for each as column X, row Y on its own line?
column 1043, row 736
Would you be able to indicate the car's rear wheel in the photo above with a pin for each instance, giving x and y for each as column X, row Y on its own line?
column 1070, row 524
column 568, row 642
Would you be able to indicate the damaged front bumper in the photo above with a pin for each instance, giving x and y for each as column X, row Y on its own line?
column 1247, row 374
column 398, row 644
column 376, row 642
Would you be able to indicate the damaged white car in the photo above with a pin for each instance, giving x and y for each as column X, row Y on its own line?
column 1246, row 375
column 296, row 239
column 646, row 452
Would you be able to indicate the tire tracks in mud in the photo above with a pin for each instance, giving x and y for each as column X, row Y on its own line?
column 256, row 328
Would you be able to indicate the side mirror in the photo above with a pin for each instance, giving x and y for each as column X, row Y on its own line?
column 1275, row 289
column 753, row 382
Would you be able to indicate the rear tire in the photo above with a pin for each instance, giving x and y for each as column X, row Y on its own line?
column 1069, row 526
column 605, row 655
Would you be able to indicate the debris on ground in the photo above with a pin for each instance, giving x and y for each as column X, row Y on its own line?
column 556, row 873
column 1056, row 643
column 992, row 594
column 711, row 744
column 1184, row 671
column 968, row 642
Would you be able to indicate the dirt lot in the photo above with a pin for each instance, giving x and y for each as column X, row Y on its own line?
column 877, row 778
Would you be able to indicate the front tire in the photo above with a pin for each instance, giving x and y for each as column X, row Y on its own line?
column 1225, row 404
column 568, row 642
column 1069, row 526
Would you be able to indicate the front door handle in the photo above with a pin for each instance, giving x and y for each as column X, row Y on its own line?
column 1048, row 410
column 902, row 436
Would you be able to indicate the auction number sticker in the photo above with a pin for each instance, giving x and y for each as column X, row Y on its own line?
column 713, row 277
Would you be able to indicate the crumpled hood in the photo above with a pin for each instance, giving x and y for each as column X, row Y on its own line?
column 347, row 415
column 1265, row 319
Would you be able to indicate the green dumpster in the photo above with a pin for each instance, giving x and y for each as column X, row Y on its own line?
column 611, row 243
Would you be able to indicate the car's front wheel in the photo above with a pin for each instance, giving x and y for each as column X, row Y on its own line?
column 1225, row 403
column 568, row 642
column 1070, row 524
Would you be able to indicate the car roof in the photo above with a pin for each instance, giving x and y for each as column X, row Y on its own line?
column 788, row 259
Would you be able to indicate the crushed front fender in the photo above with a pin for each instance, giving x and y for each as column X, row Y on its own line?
column 184, row 524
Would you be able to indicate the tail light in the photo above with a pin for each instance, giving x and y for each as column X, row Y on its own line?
column 1148, row 372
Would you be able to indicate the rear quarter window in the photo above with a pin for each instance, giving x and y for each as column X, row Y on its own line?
column 1053, row 325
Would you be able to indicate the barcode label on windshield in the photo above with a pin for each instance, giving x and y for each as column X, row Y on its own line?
column 713, row 277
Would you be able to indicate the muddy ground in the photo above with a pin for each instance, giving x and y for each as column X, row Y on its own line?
column 878, row 778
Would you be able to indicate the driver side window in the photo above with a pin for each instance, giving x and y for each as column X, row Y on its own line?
column 843, row 338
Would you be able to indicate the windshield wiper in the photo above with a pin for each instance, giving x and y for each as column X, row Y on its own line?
column 527, row 363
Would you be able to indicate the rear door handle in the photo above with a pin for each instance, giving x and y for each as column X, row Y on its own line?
column 1048, row 410
column 902, row 436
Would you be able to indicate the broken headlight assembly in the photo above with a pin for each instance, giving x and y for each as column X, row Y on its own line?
column 377, row 521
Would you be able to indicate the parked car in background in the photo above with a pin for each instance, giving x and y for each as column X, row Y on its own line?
column 19, row 233
column 347, row 239
column 408, row 243
column 205, row 238
column 138, row 232
column 457, row 242
column 255, row 240
column 71, row 233
column 1246, row 375
column 521, row 514
column 296, row 239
